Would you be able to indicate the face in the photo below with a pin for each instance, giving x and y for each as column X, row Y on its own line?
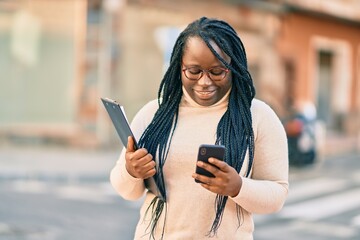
column 204, row 91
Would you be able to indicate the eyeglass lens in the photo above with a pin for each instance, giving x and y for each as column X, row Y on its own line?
column 215, row 74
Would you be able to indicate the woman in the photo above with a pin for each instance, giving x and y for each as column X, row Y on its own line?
column 205, row 97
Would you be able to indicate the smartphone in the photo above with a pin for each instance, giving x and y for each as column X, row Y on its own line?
column 207, row 151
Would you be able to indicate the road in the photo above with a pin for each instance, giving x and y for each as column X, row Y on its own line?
column 37, row 210
column 61, row 194
column 57, row 200
column 323, row 204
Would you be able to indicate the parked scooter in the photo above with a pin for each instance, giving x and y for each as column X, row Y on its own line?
column 300, row 130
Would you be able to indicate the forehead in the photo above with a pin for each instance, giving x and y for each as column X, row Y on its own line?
column 197, row 50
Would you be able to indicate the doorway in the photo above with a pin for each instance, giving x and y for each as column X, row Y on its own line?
column 323, row 101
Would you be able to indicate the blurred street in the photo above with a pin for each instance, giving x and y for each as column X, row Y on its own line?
column 60, row 193
column 55, row 193
column 323, row 203
column 58, row 58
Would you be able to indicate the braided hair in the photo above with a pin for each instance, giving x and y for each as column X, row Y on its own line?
column 234, row 129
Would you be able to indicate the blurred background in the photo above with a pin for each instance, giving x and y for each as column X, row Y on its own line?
column 57, row 144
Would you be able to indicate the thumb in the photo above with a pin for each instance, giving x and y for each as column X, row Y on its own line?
column 130, row 145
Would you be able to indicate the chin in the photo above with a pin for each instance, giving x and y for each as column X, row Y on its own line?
column 207, row 102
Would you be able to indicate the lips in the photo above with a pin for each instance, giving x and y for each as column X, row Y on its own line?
column 205, row 94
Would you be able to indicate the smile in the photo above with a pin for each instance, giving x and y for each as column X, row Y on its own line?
column 205, row 94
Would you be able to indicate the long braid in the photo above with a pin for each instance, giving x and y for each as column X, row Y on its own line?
column 241, row 136
column 234, row 129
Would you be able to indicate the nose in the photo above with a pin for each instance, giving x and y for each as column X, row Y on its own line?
column 205, row 79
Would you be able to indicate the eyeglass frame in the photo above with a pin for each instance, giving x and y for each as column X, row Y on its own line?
column 207, row 72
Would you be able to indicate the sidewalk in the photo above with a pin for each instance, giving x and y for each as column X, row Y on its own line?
column 50, row 193
column 62, row 164
column 56, row 163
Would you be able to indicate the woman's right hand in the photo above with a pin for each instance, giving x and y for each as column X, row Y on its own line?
column 139, row 163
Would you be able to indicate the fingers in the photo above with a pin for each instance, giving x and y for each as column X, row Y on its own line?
column 141, row 160
column 204, row 180
column 143, row 164
column 226, row 180
column 214, row 166
column 219, row 164
column 139, row 163
column 210, row 168
column 130, row 145
column 148, row 170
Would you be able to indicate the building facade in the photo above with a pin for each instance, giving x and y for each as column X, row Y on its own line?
column 298, row 52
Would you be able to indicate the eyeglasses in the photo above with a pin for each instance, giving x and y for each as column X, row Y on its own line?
column 215, row 73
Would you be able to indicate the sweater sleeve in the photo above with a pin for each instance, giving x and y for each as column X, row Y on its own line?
column 127, row 186
column 267, row 189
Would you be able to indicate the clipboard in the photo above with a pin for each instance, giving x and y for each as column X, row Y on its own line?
column 119, row 120
column 118, row 117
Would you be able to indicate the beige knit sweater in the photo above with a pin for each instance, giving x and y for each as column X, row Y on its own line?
column 190, row 208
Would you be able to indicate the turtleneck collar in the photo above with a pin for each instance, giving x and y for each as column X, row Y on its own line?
column 189, row 102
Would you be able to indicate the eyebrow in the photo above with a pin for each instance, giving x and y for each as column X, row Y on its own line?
column 198, row 66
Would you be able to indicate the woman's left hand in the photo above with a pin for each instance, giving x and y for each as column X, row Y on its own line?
column 227, row 180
